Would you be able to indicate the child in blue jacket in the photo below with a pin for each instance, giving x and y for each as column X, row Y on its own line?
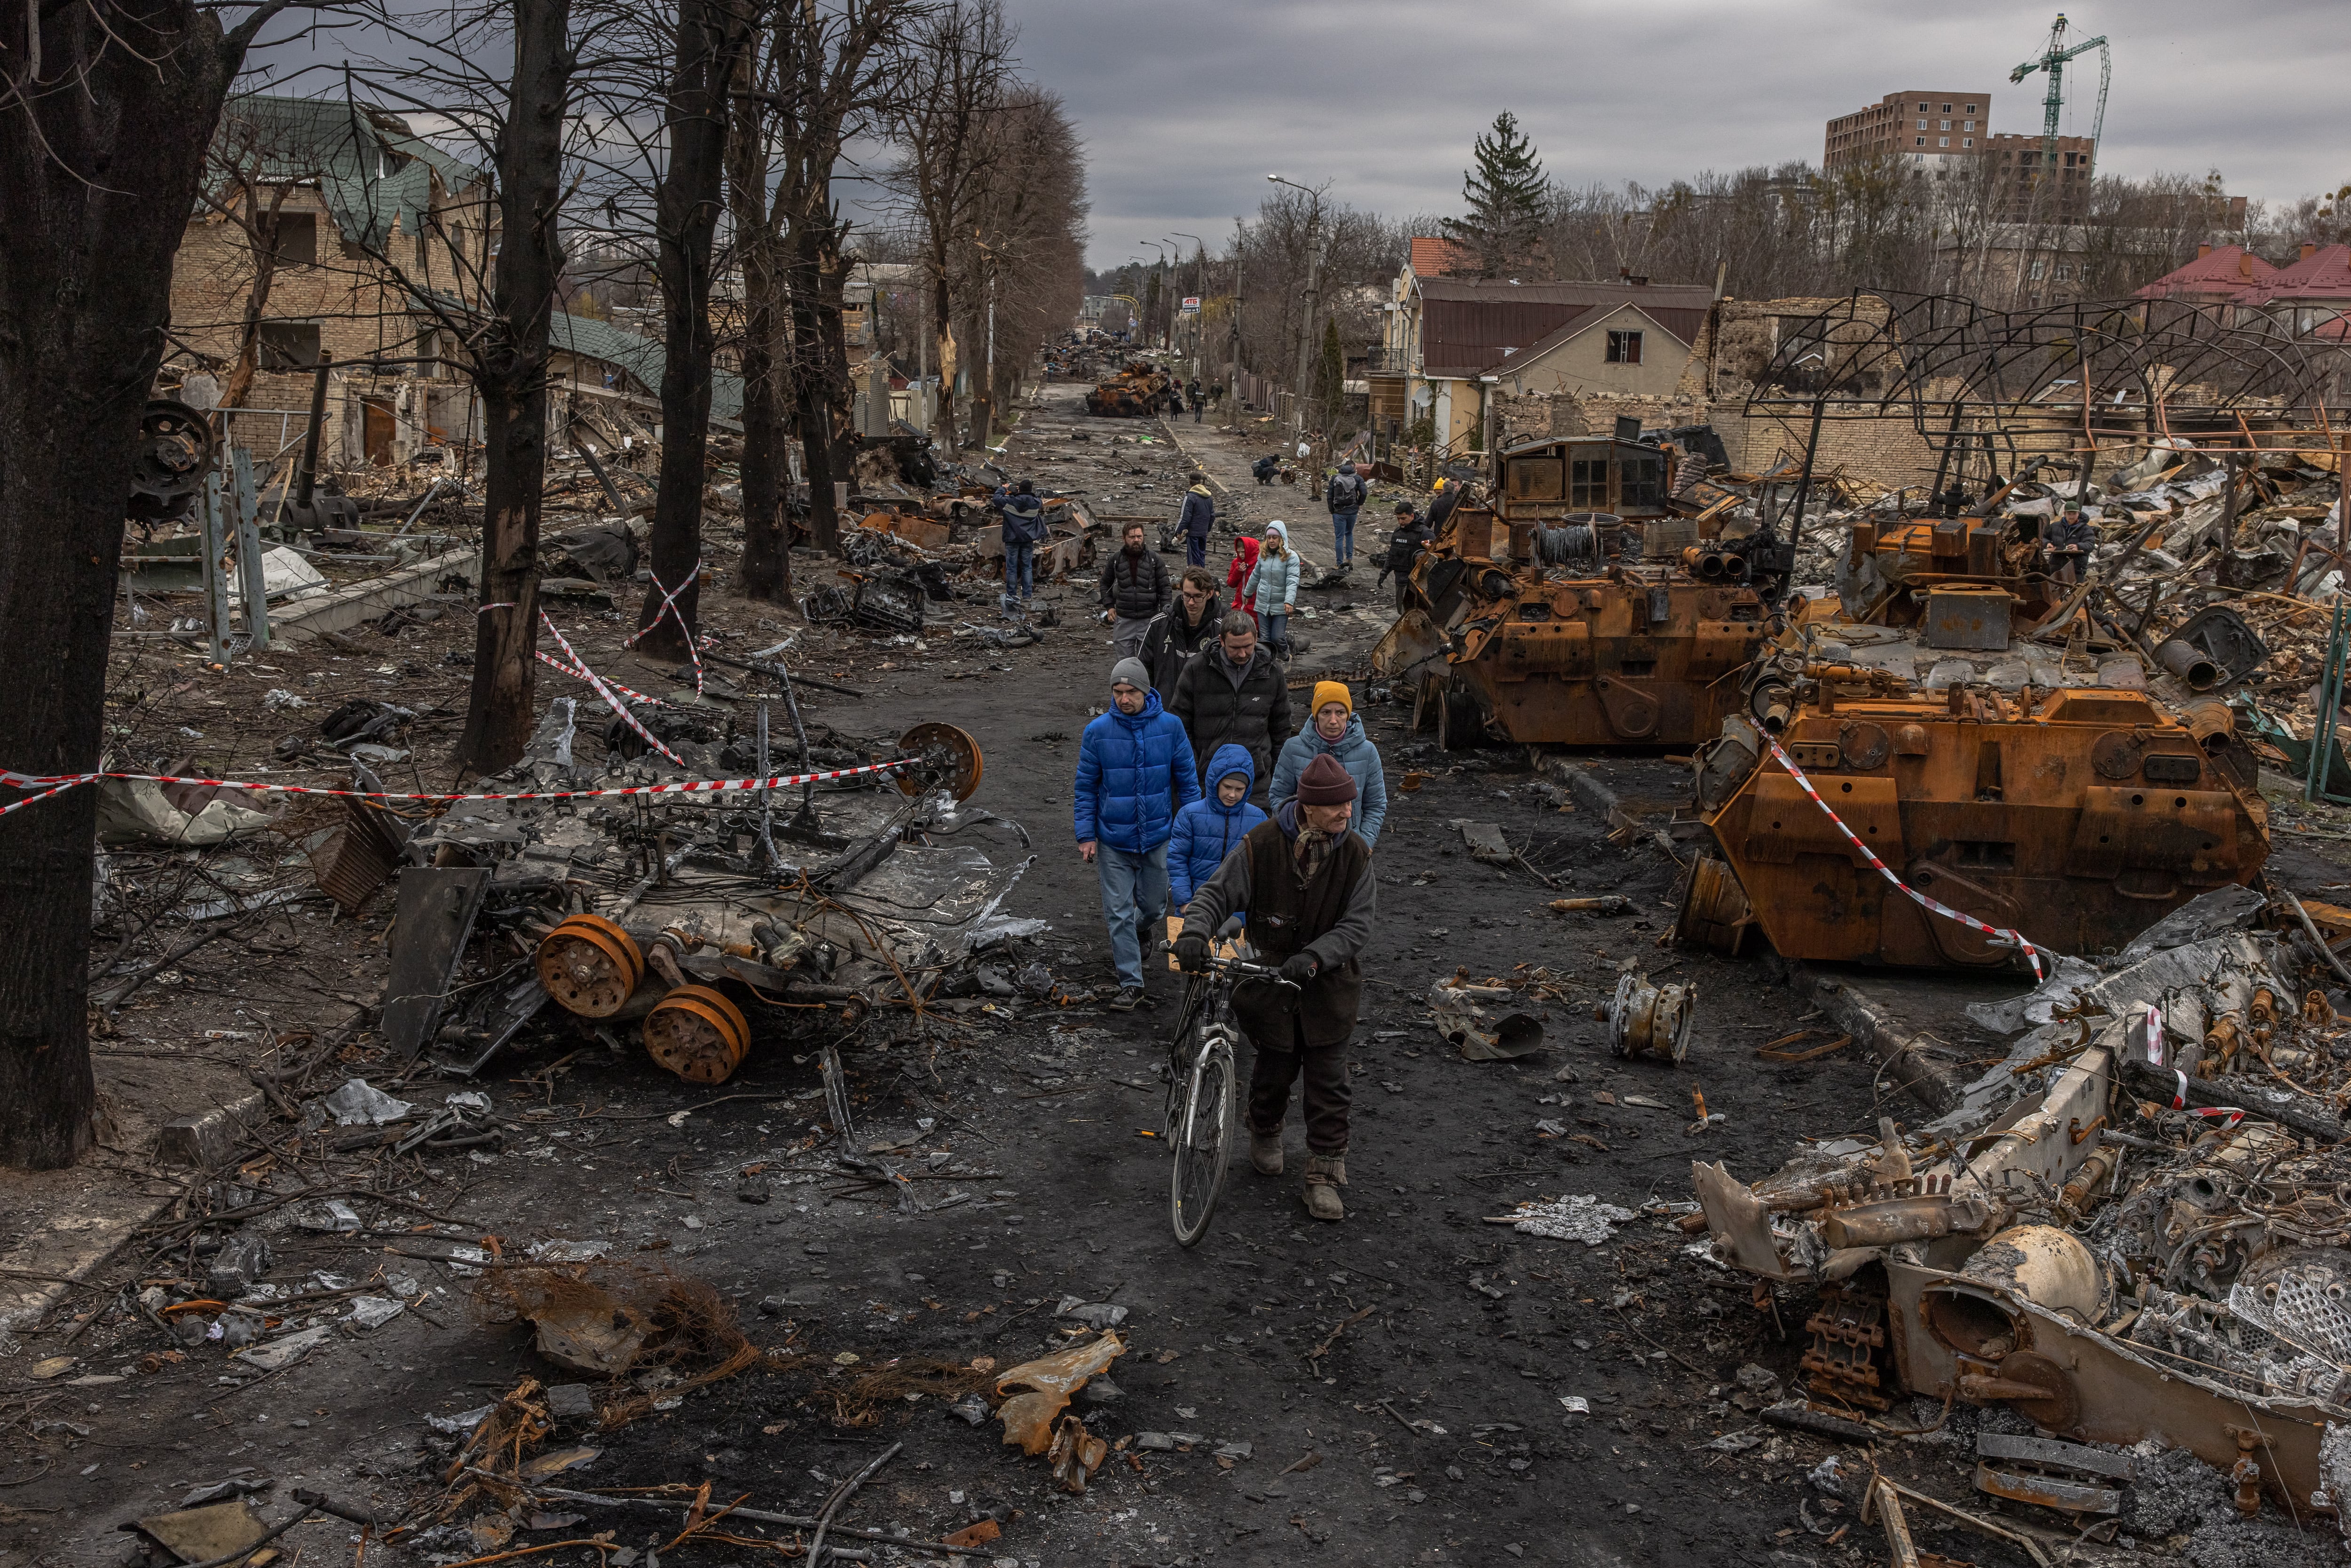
column 1211, row 827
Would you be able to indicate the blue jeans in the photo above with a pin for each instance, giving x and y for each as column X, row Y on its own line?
column 1277, row 628
column 1019, row 571
column 1134, row 903
column 1342, row 534
column 1196, row 550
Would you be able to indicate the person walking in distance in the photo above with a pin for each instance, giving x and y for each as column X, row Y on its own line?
column 1335, row 730
column 1235, row 693
column 1345, row 498
column 1133, row 590
column 1135, row 772
column 1024, row 530
column 1305, row 880
column 1197, row 521
column 1273, row 583
column 1404, row 545
column 1199, row 407
column 1181, row 629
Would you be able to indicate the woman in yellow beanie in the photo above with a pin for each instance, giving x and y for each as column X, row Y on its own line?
column 1333, row 728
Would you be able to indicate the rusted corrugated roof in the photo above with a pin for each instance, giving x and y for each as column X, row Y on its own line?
column 2226, row 271
column 2325, row 273
column 1465, row 327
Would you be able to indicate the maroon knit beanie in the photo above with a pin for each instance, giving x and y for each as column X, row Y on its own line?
column 1326, row 783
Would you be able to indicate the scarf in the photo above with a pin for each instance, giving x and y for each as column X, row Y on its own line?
column 1313, row 849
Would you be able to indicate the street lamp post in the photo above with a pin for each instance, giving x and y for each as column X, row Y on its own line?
column 1199, row 287
column 1162, row 266
column 1313, row 265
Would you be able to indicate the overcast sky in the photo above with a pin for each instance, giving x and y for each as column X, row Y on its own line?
column 1185, row 109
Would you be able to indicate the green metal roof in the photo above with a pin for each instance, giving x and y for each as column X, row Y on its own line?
column 370, row 169
column 642, row 357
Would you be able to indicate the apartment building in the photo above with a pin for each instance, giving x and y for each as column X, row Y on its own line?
column 1931, row 131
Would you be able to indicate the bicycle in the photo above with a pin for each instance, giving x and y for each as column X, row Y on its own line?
column 1201, row 1088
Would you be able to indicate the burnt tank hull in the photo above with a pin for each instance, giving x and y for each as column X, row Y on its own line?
column 2070, row 797
column 1640, row 659
column 2078, row 826
column 1531, row 624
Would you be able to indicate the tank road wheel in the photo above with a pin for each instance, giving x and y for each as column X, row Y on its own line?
column 1459, row 724
column 950, row 760
column 698, row 1034
column 590, row 965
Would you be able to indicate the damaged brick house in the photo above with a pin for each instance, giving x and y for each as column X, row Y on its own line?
column 326, row 227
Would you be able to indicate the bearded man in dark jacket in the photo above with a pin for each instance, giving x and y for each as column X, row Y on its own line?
column 1133, row 590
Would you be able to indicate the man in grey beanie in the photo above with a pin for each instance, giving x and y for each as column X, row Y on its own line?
column 1134, row 773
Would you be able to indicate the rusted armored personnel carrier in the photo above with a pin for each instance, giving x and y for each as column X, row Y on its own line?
column 1578, row 606
column 1138, row 390
column 2038, row 788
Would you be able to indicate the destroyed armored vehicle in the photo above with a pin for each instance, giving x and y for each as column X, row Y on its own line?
column 2036, row 785
column 1138, row 391
column 1581, row 608
column 2131, row 1230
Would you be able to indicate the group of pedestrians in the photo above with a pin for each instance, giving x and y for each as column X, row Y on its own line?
column 1200, row 714
column 1200, row 720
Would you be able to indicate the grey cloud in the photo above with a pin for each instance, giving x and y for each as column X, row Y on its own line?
column 1185, row 107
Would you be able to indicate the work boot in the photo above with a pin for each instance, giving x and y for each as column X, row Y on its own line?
column 1325, row 1174
column 1265, row 1152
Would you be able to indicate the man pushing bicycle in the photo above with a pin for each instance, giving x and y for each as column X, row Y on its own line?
column 1305, row 882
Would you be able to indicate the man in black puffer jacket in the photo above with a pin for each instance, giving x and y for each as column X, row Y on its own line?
column 1235, row 693
column 1133, row 590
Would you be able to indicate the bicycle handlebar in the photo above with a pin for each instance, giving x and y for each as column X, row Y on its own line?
column 1240, row 967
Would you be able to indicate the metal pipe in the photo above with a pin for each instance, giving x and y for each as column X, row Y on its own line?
column 2189, row 661
column 307, row 474
column 1805, row 485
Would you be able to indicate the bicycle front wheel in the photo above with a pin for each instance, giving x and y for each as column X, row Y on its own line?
column 1202, row 1140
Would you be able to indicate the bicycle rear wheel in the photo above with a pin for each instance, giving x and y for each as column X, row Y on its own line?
column 1203, row 1141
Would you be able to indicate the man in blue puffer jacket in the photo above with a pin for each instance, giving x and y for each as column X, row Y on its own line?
column 1335, row 727
column 1134, row 774
column 1211, row 827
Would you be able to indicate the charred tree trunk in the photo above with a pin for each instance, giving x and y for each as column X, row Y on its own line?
column 98, row 170
column 767, row 566
column 821, row 354
column 685, row 218
column 512, row 378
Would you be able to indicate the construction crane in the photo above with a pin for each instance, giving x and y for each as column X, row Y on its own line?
column 2053, row 60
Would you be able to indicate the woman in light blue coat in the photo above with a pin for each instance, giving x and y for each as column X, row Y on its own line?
column 1332, row 726
column 1273, row 583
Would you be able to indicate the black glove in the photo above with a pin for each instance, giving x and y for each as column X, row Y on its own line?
column 1191, row 953
column 1300, row 967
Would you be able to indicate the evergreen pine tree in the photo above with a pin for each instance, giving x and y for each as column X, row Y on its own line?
column 1509, row 201
column 1331, row 376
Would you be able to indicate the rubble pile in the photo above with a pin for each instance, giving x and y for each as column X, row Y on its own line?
column 2130, row 1231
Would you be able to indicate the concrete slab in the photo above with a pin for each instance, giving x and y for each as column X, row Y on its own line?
column 348, row 607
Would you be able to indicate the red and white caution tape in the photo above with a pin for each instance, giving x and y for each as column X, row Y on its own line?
column 669, row 610
column 579, row 667
column 2227, row 1116
column 2032, row 952
column 580, row 672
column 58, row 783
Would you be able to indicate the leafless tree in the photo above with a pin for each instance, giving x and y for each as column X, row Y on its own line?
column 105, row 110
column 956, row 63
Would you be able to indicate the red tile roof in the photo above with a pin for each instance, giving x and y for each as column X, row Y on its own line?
column 2223, row 273
column 2325, row 273
column 1440, row 258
